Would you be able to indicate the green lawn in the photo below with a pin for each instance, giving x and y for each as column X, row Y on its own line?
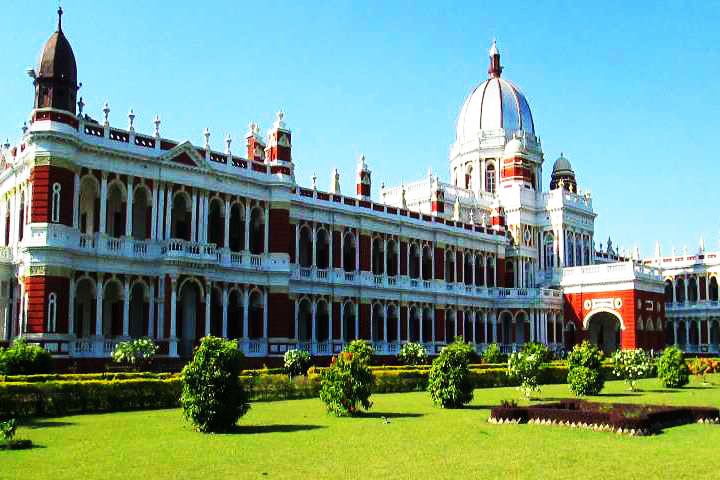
column 297, row 439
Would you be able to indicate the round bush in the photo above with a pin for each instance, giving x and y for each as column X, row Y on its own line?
column 585, row 375
column 525, row 367
column 540, row 350
column 413, row 354
column 671, row 368
column 346, row 385
column 449, row 380
column 297, row 362
column 492, row 354
column 361, row 348
column 22, row 358
column 632, row 365
column 213, row 398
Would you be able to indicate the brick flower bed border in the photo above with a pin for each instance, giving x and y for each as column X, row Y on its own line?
column 632, row 419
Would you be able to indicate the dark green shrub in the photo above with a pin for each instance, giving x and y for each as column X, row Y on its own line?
column 413, row 354
column 347, row 384
column 450, row 383
column 22, row 358
column 585, row 375
column 213, row 398
column 671, row 368
column 362, row 349
column 137, row 354
column 296, row 362
column 492, row 354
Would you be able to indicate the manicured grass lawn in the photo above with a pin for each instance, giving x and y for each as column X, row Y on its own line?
column 297, row 439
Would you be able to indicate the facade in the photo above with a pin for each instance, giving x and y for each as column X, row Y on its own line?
column 109, row 233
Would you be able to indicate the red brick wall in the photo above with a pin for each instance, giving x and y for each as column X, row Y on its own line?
column 439, row 324
column 279, row 234
column 439, row 263
column 42, row 178
column 365, row 253
column 280, row 321
column 38, row 289
column 500, row 267
column 364, row 309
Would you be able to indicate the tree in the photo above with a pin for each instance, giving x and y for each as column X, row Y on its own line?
column 449, row 382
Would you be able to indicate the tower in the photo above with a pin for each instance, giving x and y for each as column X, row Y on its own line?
column 362, row 183
column 55, row 80
column 279, row 149
column 255, row 144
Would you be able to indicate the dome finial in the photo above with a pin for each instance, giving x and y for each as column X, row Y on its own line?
column 60, row 14
column 495, row 69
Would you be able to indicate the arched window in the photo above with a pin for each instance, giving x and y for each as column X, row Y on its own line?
column 55, row 205
column 468, row 176
column 490, row 178
column 52, row 313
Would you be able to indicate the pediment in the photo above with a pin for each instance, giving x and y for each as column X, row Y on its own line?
column 185, row 154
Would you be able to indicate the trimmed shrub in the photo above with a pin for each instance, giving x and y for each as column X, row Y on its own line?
column 136, row 353
column 585, row 375
column 538, row 349
column 449, row 383
column 632, row 365
column 213, row 398
column 22, row 358
column 492, row 354
column 413, row 354
column 297, row 362
column 671, row 368
column 525, row 367
column 362, row 349
column 347, row 384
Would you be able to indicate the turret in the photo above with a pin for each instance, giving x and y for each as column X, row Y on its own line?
column 279, row 147
column 437, row 200
column 255, row 144
column 362, row 184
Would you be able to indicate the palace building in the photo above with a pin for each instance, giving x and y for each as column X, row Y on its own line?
column 109, row 233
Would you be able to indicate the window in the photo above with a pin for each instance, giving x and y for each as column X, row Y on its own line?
column 490, row 178
column 52, row 313
column 55, row 206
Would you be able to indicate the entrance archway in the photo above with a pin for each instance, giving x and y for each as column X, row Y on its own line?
column 603, row 329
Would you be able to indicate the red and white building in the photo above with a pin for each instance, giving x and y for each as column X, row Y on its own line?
column 110, row 233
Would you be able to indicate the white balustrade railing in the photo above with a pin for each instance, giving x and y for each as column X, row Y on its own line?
column 305, row 272
column 427, row 284
column 322, row 274
column 256, row 260
column 392, row 281
column 378, row 279
column 349, row 276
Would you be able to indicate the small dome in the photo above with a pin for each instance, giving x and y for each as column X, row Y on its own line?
column 57, row 59
column 562, row 165
column 513, row 148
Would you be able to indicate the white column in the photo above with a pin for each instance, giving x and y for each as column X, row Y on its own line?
column 342, row 319
column 330, row 312
column 103, row 202
column 357, row 320
column 267, row 230
column 385, row 323
column 226, row 227
column 385, row 265
column 247, row 226
column 422, row 321
column 193, row 217
column 71, row 308
column 313, row 327
column 533, row 319
column 126, row 307
column 675, row 332
column 314, row 245
column 224, row 310
column 168, row 213
column 493, row 319
column 151, row 310
column 161, row 307
column 173, row 315
column 246, row 312
column 129, row 208
column 357, row 251
column 154, row 212
column 208, row 304
column 555, row 321
column 687, row 333
column 98, row 306
column 485, row 327
column 687, row 299
column 674, row 284
column 76, row 202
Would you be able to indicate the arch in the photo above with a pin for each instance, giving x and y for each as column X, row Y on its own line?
column 490, row 177
column 52, row 313
column 680, row 290
column 668, row 291
column 257, row 230
column 322, row 320
column 138, row 309
column 181, row 216
column 236, row 236
column 392, row 258
column 415, row 259
column 113, row 299
column 692, row 289
column 479, row 270
column 378, row 322
column 116, row 200
column 349, row 252
column 216, row 222
column 427, row 267
column 469, row 317
column 450, row 265
column 85, row 306
column 256, row 312
column 322, row 249
column 349, row 332
column 604, row 326
column 377, row 258
column 490, row 269
column 509, row 273
column 304, row 333
column 305, row 247
column 505, row 321
column 413, row 332
column 89, row 204
column 713, row 289
column 549, row 251
column 55, row 203
column 189, row 315
column 392, row 323
column 235, row 313
column 450, row 325
column 141, row 212
column 468, row 267
column 715, row 333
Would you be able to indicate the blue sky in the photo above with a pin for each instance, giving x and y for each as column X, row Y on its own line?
column 627, row 90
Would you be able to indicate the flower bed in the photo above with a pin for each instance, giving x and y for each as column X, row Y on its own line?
column 632, row 419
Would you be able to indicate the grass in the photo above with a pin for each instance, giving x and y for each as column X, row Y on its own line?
column 297, row 439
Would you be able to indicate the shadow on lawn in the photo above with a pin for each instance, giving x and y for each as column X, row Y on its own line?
column 35, row 423
column 389, row 415
column 280, row 428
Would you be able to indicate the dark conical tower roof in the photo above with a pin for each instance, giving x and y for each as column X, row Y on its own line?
column 56, row 79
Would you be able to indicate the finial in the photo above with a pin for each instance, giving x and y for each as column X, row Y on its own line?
column 81, row 106
column 157, row 125
column 7, row 144
column 24, row 128
column 228, row 141
column 314, row 182
column 106, row 112
column 335, row 182
column 131, row 120
column 495, row 70
column 206, row 134
column 60, row 14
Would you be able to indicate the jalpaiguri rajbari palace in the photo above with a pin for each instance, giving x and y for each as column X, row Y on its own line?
column 110, row 233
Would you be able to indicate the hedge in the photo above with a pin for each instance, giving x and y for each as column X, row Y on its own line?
column 129, row 391
column 79, row 377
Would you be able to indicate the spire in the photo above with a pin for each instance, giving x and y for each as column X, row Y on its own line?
column 60, row 14
column 701, row 248
column 495, row 68
column 658, row 252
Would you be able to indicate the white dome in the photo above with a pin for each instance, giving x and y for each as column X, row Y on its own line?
column 493, row 105
column 513, row 148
